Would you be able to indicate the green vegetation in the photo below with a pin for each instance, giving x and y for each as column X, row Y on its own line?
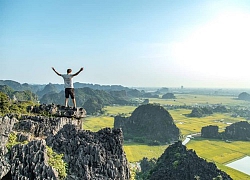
column 135, row 152
column 221, row 153
column 25, row 95
column 191, row 125
column 97, row 123
column 12, row 141
column 119, row 110
column 56, row 161
column 4, row 103
column 16, row 107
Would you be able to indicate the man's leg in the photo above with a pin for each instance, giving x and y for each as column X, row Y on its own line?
column 66, row 97
column 74, row 102
column 66, row 102
column 72, row 95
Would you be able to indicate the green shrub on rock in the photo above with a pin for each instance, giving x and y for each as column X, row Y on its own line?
column 56, row 161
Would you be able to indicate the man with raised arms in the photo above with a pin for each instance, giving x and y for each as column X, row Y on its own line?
column 68, row 85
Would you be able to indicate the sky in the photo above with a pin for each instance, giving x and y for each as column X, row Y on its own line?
column 133, row 43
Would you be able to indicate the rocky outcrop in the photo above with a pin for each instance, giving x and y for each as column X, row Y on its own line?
column 58, row 111
column 40, row 126
column 6, row 125
column 210, row 131
column 238, row 131
column 179, row 163
column 30, row 162
column 91, row 155
column 149, row 122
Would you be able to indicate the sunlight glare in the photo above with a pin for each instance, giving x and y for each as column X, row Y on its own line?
column 221, row 46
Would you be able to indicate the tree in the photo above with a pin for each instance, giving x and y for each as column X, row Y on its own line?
column 4, row 103
column 6, row 89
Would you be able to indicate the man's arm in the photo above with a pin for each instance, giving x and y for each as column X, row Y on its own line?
column 77, row 72
column 56, row 72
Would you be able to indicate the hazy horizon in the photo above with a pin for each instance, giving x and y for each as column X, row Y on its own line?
column 143, row 87
column 162, row 43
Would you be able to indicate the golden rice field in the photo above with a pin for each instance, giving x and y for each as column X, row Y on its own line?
column 222, row 153
column 215, row 151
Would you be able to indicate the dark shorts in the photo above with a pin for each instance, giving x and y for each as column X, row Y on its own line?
column 71, row 92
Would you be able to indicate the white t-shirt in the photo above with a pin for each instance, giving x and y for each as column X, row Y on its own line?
column 68, row 80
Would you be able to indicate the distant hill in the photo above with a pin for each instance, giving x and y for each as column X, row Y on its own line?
column 48, row 89
column 244, row 96
column 168, row 96
column 22, row 95
column 90, row 99
column 93, row 97
column 148, row 123
column 39, row 87
column 16, row 86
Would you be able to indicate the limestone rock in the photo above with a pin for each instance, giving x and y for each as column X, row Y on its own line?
column 151, row 122
column 238, row 131
column 58, row 110
column 91, row 155
column 43, row 126
column 30, row 162
column 210, row 131
column 179, row 163
column 6, row 125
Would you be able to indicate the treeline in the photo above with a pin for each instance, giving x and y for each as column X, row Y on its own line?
column 92, row 97
column 11, row 106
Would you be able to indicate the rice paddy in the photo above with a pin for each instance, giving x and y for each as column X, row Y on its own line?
column 216, row 151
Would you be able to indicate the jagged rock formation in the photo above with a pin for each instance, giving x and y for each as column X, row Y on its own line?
column 179, row 163
column 210, row 131
column 58, row 110
column 30, row 162
column 40, row 126
column 238, row 131
column 150, row 122
column 91, row 155
column 6, row 125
